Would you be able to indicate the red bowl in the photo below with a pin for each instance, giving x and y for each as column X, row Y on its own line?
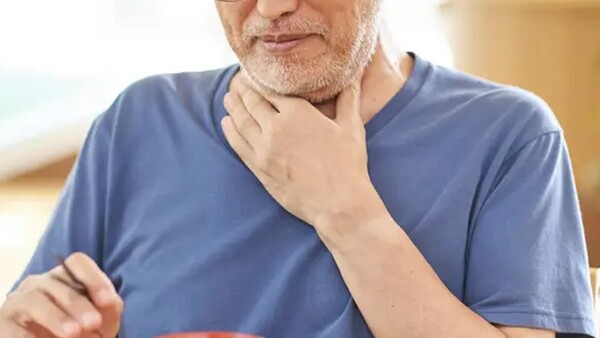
column 208, row 335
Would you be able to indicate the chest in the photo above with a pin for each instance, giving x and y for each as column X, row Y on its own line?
column 200, row 245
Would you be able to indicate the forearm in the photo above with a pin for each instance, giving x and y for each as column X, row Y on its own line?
column 395, row 288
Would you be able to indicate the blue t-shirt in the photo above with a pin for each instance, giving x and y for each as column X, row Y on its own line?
column 477, row 174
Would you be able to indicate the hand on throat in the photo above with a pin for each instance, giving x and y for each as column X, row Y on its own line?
column 383, row 78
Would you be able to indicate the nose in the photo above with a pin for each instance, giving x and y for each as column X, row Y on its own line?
column 273, row 9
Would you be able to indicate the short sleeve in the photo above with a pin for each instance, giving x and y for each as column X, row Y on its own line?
column 527, row 261
column 77, row 222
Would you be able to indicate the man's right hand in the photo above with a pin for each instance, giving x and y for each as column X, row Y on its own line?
column 45, row 306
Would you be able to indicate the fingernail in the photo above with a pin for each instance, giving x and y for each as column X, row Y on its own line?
column 105, row 297
column 70, row 329
column 90, row 318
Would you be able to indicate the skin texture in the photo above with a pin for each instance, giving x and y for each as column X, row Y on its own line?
column 47, row 306
column 342, row 42
column 332, row 191
column 289, row 115
column 310, row 155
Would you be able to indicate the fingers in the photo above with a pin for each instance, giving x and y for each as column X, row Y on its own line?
column 106, row 307
column 11, row 330
column 73, row 303
column 53, row 304
column 244, row 122
column 111, row 319
column 260, row 108
column 41, row 310
column 236, row 140
column 348, row 104
column 98, row 285
column 264, row 108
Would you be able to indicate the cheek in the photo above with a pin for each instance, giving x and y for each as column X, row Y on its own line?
column 331, row 7
column 233, row 16
column 341, row 15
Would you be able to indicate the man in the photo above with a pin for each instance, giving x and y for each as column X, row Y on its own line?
column 242, row 199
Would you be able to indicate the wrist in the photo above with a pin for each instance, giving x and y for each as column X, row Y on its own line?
column 347, row 219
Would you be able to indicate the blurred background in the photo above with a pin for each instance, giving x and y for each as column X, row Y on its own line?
column 62, row 63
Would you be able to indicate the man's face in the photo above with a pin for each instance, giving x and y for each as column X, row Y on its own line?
column 310, row 49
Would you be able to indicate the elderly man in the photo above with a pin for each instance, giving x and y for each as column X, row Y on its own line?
column 242, row 199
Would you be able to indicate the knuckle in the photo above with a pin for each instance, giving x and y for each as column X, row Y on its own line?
column 119, row 306
column 15, row 303
column 12, row 330
column 78, row 258
column 246, row 123
column 237, row 115
column 72, row 300
column 29, row 282
column 5, row 309
column 33, row 296
column 234, row 109
column 19, row 311
column 262, row 162
column 265, row 161
column 22, row 334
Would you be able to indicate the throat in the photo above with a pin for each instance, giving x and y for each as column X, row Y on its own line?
column 327, row 108
column 381, row 83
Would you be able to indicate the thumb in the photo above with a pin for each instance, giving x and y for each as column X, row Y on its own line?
column 347, row 107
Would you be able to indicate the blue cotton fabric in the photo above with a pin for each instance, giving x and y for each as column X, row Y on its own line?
column 477, row 174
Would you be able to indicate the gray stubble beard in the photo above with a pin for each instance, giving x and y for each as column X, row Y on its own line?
column 317, row 80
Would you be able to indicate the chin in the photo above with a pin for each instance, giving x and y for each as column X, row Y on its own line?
column 315, row 97
column 320, row 98
column 315, row 90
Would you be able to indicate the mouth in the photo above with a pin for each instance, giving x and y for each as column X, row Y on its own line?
column 283, row 43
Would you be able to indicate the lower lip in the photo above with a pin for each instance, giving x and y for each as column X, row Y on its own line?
column 281, row 47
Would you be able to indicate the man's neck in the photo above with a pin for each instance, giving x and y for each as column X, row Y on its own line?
column 383, row 78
